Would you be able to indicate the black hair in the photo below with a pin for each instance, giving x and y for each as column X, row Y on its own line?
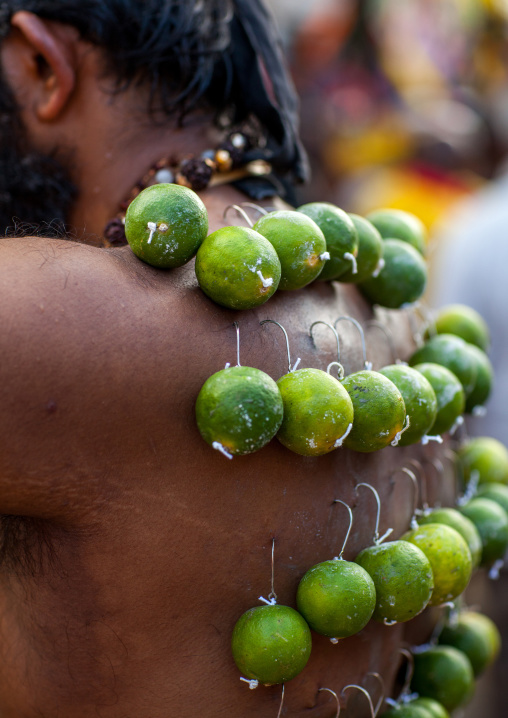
column 223, row 54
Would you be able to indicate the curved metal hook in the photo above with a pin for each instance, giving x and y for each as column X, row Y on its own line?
column 237, row 327
column 272, row 596
column 409, row 671
column 421, row 483
column 272, row 321
column 389, row 337
column 256, row 207
column 240, row 211
column 365, row 693
column 329, row 690
column 339, row 501
column 416, row 493
column 334, row 363
column 377, row 539
column 366, row 364
column 383, row 690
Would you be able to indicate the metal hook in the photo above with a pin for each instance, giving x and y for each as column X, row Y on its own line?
column 383, row 690
column 366, row 364
column 365, row 693
column 281, row 701
column 329, row 690
column 240, row 211
column 272, row 321
column 333, row 363
column 389, row 337
column 421, row 483
column 409, row 671
column 272, row 596
column 416, row 494
column 377, row 540
column 256, row 207
column 237, row 327
column 338, row 501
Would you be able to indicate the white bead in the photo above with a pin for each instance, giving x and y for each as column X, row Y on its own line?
column 164, row 176
column 238, row 141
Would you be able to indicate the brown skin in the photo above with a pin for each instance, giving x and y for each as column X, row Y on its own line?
column 147, row 544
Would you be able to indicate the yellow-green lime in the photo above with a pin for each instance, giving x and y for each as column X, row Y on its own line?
column 379, row 411
column 459, row 522
column 239, row 410
column 449, row 558
column 434, row 709
column 370, row 252
column 484, row 378
column 475, row 635
column 165, row 225
column 402, row 577
column 401, row 281
column 336, row 598
column 465, row 322
column 237, row 268
column 419, row 398
column 451, row 352
column 444, row 674
column 317, row 412
column 397, row 224
column 496, row 492
column 492, row 523
column 340, row 235
column 271, row 644
column 406, row 710
column 451, row 400
column 488, row 457
column 299, row 243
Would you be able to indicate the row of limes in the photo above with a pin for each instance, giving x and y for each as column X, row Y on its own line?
column 444, row 674
column 240, row 409
column 390, row 582
column 240, row 268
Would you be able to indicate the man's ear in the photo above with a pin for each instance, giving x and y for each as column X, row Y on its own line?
column 46, row 58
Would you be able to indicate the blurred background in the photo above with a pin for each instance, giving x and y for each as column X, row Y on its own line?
column 405, row 105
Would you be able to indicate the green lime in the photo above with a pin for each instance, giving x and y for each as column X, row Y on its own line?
column 317, row 412
column 237, row 268
column 370, row 252
column 465, row 322
column 444, row 674
column 406, row 710
column 495, row 492
column 492, row 523
column 340, row 235
column 336, row 598
column 449, row 558
column 450, row 396
column 488, row 457
column 484, row 379
column 475, row 635
column 459, row 522
column 401, row 281
column 239, row 410
column 402, row 577
column 165, row 225
column 379, row 411
column 435, row 709
column 453, row 353
column 419, row 398
column 299, row 243
column 271, row 644
column 397, row 224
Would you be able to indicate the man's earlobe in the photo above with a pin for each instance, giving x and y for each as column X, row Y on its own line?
column 51, row 64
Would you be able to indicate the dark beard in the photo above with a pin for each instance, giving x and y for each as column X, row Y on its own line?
column 36, row 192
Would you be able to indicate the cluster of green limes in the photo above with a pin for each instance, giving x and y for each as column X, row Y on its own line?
column 444, row 675
column 240, row 268
column 389, row 582
column 459, row 342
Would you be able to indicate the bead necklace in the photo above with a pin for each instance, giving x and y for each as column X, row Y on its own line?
column 223, row 165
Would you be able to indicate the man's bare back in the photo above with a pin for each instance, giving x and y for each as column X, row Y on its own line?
column 143, row 546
